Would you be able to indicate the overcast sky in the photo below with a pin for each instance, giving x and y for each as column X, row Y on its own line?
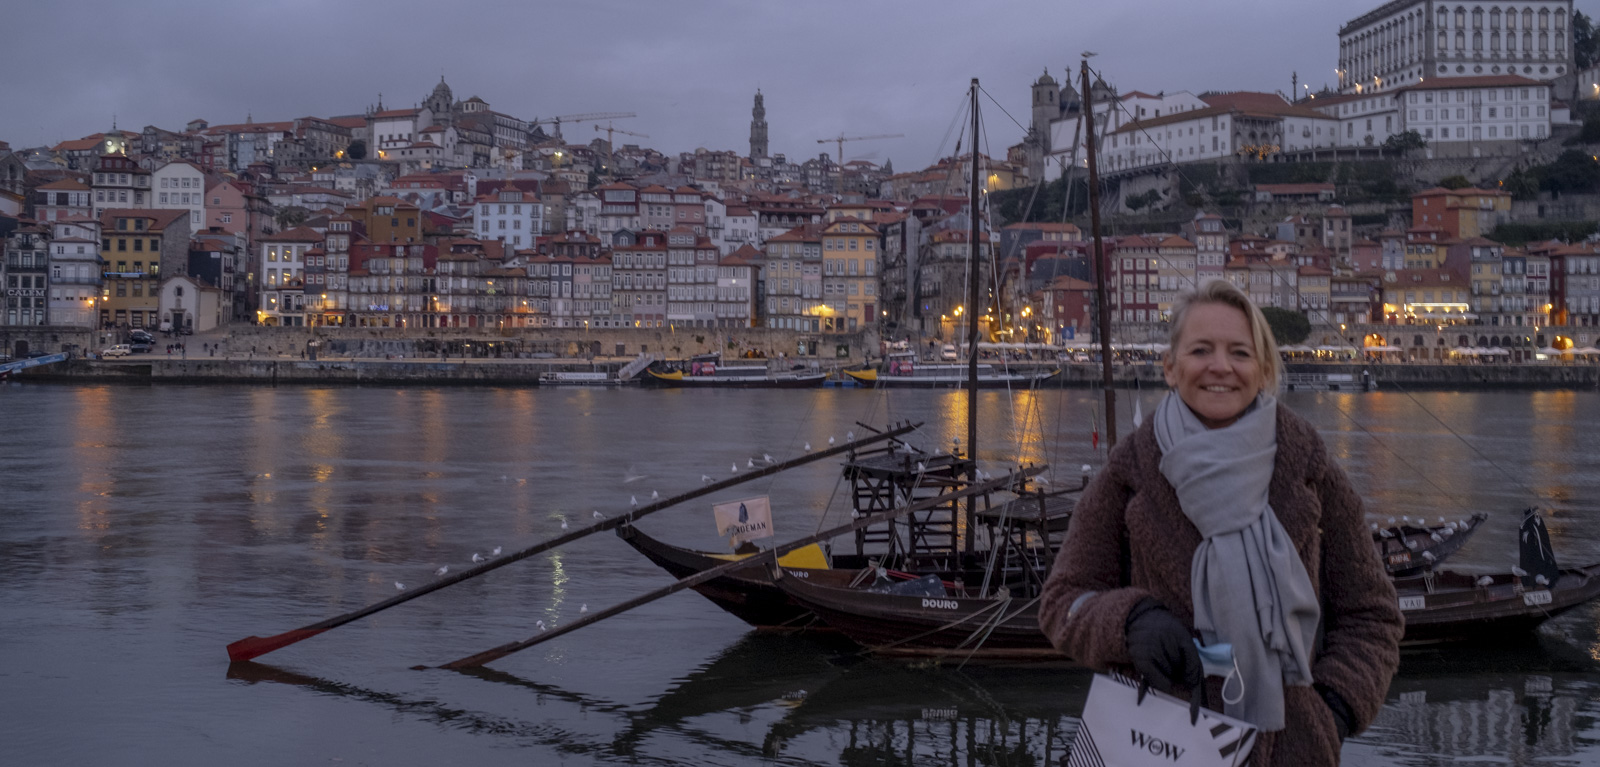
column 688, row 68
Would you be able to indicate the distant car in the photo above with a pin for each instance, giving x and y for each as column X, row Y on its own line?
column 948, row 353
column 120, row 350
column 140, row 336
column 186, row 331
column 138, row 347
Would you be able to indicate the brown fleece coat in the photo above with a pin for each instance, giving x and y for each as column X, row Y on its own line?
column 1130, row 507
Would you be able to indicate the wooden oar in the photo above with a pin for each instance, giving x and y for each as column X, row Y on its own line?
column 768, row 556
column 255, row 647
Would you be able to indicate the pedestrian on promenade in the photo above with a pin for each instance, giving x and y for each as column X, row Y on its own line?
column 1193, row 534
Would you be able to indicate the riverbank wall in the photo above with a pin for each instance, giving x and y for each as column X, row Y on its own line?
column 525, row 372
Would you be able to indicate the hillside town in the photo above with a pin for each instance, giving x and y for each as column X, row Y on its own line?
column 1445, row 180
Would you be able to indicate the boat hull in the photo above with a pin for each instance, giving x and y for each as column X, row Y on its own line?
column 879, row 381
column 808, row 381
column 1460, row 611
column 953, row 627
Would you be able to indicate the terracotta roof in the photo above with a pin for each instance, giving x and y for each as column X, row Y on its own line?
column 297, row 234
column 1294, row 188
column 162, row 218
column 1483, row 81
column 66, row 183
column 396, row 113
column 1253, row 102
column 1065, row 282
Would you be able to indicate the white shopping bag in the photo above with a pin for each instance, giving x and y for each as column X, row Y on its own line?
column 1119, row 730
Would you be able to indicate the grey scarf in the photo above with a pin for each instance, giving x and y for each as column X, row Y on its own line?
column 1250, row 588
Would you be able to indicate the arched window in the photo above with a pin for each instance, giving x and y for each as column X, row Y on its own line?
column 1527, row 18
column 1416, row 340
column 1444, row 19
column 1544, row 41
column 1494, row 18
column 1461, row 17
column 1477, row 41
column 1477, row 18
column 1461, row 41
column 1527, row 41
column 1494, row 41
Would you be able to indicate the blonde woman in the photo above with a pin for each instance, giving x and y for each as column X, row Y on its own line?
column 1222, row 527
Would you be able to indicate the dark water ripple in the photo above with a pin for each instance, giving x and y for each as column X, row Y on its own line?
column 142, row 529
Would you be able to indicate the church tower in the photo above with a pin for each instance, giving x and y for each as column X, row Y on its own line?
column 440, row 102
column 1046, row 107
column 758, row 128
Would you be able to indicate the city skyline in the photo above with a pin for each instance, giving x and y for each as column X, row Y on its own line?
column 893, row 68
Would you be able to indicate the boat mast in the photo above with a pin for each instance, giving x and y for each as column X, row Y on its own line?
column 1099, row 262
column 972, row 325
column 972, row 295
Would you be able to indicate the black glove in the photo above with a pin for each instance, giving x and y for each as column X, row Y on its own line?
column 1342, row 715
column 1162, row 648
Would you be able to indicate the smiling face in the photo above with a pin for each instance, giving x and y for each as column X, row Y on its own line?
column 1214, row 366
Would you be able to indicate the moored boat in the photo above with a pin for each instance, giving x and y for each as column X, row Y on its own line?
column 903, row 370
column 1408, row 549
column 707, row 370
column 559, row 378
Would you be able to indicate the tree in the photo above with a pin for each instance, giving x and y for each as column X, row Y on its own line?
column 1457, row 181
column 1585, row 44
column 357, row 150
column 1143, row 200
column 1574, row 171
column 291, row 217
column 1288, row 327
column 1404, row 142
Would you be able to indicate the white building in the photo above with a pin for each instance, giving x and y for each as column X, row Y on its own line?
column 395, row 128
column 1112, row 112
column 1240, row 123
column 510, row 215
column 1473, row 116
column 282, row 276
column 1406, row 42
column 188, row 302
column 1365, row 119
column 74, row 281
column 181, row 184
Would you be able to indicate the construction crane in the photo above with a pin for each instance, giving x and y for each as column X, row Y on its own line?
column 585, row 117
column 839, row 158
column 611, row 150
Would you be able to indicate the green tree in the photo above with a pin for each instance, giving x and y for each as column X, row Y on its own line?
column 357, row 150
column 1288, row 327
column 1585, row 45
column 1404, row 142
column 1574, row 172
column 1457, row 181
column 1522, row 185
column 1590, row 133
column 291, row 217
column 1143, row 200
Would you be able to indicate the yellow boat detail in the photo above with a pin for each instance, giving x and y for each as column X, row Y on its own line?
column 806, row 558
column 865, row 376
column 676, row 375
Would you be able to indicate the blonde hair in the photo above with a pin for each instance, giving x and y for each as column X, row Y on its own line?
column 1226, row 293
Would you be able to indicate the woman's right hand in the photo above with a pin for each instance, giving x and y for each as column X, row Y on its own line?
column 1162, row 648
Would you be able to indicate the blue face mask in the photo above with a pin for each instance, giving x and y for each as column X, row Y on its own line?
column 1218, row 660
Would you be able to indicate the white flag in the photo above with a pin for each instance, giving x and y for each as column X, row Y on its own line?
column 746, row 520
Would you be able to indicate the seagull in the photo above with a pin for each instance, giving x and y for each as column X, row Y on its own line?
column 767, row 457
column 398, row 586
column 583, row 609
column 1437, row 538
column 808, row 447
column 629, row 477
column 750, row 463
column 540, row 624
column 1087, row 468
column 1519, row 572
column 850, row 435
column 921, row 468
column 1428, row 555
column 706, row 478
column 654, row 495
column 442, row 570
column 1454, row 527
column 598, row 515
column 496, row 552
column 476, row 557
column 1441, row 520
column 1541, row 580
column 734, row 468
column 1384, row 533
column 563, row 523
column 1405, row 519
column 1374, row 525
column 1485, row 581
column 1411, row 545
column 633, row 500
column 1391, row 520
column 830, row 439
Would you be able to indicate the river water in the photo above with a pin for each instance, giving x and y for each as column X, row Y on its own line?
column 144, row 528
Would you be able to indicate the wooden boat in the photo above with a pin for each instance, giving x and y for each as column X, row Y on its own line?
column 707, row 370
column 905, row 371
column 1408, row 549
column 557, row 378
column 1450, row 606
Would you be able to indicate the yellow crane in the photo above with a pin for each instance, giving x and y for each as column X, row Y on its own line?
column 611, row 150
column 555, row 122
column 839, row 141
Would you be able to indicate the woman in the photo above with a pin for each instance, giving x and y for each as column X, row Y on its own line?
column 1223, row 522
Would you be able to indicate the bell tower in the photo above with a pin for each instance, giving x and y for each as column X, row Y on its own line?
column 758, row 128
